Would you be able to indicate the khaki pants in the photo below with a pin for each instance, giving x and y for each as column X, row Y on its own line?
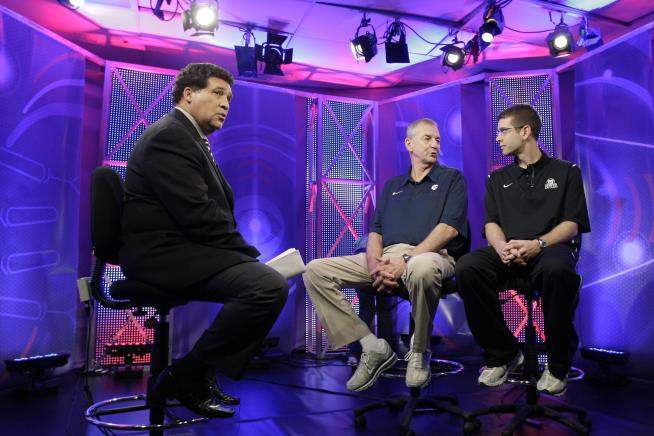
column 423, row 276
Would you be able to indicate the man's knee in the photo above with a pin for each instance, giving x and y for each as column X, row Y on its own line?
column 559, row 269
column 424, row 268
column 313, row 270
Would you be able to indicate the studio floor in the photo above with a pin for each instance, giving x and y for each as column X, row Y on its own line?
column 303, row 397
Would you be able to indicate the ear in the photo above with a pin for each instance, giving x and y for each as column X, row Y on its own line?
column 187, row 94
column 407, row 144
column 526, row 133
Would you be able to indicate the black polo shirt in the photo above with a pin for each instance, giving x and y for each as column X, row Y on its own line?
column 529, row 202
column 408, row 211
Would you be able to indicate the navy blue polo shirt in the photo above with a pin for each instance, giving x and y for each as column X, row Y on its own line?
column 408, row 211
column 529, row 202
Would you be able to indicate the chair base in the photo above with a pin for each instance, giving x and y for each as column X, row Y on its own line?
column 523, row 412
column 158, row 413
column 411, row 404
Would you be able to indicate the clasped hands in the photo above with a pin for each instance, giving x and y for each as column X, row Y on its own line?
column 518, row 251
column 386, row 273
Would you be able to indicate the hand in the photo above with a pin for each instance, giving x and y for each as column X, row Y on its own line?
column 386, row 274
column 506, row 256
column 523, row 250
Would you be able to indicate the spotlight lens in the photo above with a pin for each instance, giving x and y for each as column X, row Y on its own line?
column 453, row 58
column 561, row 42
column 205, row 15
column 487, row 37
column 356, row 51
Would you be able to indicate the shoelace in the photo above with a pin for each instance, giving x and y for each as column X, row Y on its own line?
column 364, row 359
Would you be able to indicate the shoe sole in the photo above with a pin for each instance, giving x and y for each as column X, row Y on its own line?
column 388, row 364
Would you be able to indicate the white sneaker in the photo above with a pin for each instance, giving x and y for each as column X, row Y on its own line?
column 552, row 385
column 497, row 375
column 371, row 365
column 418, row 370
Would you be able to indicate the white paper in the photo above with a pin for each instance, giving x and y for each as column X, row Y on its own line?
column 289, row 263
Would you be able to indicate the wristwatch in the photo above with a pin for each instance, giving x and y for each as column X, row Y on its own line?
column 406, row 257
column 541, row 244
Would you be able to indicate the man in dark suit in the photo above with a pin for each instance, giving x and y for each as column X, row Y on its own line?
column 179, row 233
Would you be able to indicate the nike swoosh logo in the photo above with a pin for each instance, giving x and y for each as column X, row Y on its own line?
column 506, row 186
column 395, row 193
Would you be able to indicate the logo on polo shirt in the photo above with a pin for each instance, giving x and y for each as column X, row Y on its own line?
column 434, row 187
column 396, row 192
column 551, row 184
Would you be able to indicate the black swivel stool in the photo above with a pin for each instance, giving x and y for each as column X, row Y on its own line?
column 415, row 401
column 106, row 211
column 530, row 408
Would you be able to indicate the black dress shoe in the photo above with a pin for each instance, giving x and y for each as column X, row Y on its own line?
column 220, row 395
column 199, row 401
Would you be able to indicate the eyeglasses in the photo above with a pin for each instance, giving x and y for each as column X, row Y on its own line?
column 503, row 130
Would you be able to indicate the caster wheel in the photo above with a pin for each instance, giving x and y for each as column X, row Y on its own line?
column 359, row 422
column 471, row 427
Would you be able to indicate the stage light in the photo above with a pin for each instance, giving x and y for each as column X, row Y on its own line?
column 273, row 55
column 397, row 52
column 493, row 22
column 72, row 4
column 246, row 57
column 560, row 41
column 589, row 37
column 364, row 46
column 603, row 355
column 36, row 368
column 453, row 56
column 474, row 47
column 201, row 16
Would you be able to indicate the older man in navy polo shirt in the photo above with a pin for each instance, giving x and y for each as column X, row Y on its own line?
column 418, row 231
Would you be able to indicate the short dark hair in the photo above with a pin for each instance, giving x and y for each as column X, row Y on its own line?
column 523, row 115
column 196, row 77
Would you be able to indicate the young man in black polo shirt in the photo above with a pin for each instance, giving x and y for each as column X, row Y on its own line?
column 418, row 230
column 534, row 208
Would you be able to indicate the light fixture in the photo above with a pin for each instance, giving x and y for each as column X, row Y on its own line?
column 589, row 37
column 202, row 15
column 397, row 52
column 72, row 4
column 272, row 53
column 493, row 22
column 474, row 47
column 560, row 41
column 364, row 46
column 246, row 57
column 453, row 55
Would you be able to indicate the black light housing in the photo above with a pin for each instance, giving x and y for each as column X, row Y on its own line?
column 397, row 52
column 364, row 46
column 273, row 55
column 453, row 56
column 202, row 15
column 560, row 41
column 493, row 23
column 589, row 37
column 246, row 56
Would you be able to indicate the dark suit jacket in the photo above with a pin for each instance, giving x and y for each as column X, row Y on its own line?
column 178, row 224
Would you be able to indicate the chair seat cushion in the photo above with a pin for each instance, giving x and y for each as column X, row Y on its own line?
column 142, row 294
